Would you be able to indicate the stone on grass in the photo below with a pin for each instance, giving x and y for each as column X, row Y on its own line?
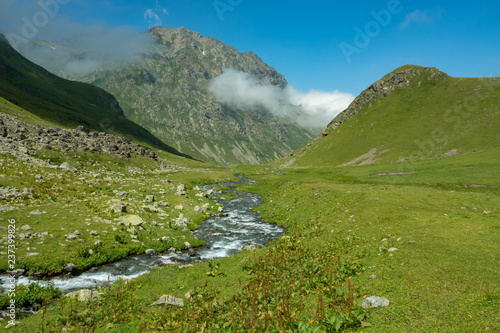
column 392, row 249
column 119, row 207
column 163, row 204
column 84, row 295
column 150, row 252
column 98, row 243
column 179, row 207
column 71, row 236
column 374, row 302
column 67, row 167
column 36, row 212
column 70, row 268
column 169, row 300
column 26, row 227
column 150, row 198
column 132, row 220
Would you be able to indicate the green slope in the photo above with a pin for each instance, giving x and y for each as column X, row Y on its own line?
column 65, row 103
column 413, row 113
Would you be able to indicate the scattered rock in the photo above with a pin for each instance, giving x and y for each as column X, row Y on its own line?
column 150, row 252
column 94, row 233
column 169, row 300
column 31, row 254
column 163, row 204
column 188, row 245
column 36, row 212
column 119, row 207
column 179, row 207
column 71, row 236
column 150, row 198
column 98, row 243
column 25, row 227
column 84, row 295
column 374, row 302
column 132, row 220
column 220, row 209
column 71, row 268
column 67, row 167
column 392, row 249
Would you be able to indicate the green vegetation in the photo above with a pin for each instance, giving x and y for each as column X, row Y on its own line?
column 64, row 103
column 422, row 232
column 432, row 115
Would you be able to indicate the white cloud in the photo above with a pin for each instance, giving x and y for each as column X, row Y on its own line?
column 418, row 17
column 152, row 16
column 315, row 108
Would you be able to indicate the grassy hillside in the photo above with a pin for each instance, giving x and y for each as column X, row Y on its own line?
column 412, row 113
column 62, row 102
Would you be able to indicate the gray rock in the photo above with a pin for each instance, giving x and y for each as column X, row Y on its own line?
column 122, row 194
column 67, row 167
column 25, row 227
column 188, row 245
column 36, row 212
column 94, row 233
column 132, row 220
column 118, row 207
column 392, row 249
column 163, row 204
column 98, row 243
column 5, row 208
column 179, row 207
column 71, row 236
column 374, row 302
column 84, row 295
column 150, row 252
column 169, row 300
column 31, row 254
column 150, row 198
column 71, row 268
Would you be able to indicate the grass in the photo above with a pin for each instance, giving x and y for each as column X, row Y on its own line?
column 423, row 120
column 341, row 224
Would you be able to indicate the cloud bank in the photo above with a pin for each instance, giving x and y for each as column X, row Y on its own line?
column 242, row 91
column 70, row 47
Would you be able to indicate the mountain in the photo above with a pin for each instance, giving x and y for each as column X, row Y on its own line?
column 166, row 92
column 412, row 113
column 65, row 103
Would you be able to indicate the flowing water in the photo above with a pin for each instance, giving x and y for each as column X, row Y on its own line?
column 224, row 235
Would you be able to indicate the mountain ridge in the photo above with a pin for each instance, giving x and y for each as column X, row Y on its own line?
column 412, row 113
column 65, row 103
column 166, row 91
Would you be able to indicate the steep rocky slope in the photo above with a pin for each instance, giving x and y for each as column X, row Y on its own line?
column 62, row 102
column 166, row 92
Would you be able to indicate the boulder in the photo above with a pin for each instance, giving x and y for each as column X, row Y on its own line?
column 150, row 252
column 84, row 295
column 67, row 167
column 374, row 302
column 119, row 207
column 169, row 300
column 71, row 268
column 132, row 220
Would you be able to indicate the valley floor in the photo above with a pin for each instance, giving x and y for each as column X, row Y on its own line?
column 427, row 240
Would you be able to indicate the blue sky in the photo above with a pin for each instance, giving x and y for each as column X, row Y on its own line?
column 323, row 45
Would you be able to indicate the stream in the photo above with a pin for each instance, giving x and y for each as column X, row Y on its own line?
column 224, row 235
